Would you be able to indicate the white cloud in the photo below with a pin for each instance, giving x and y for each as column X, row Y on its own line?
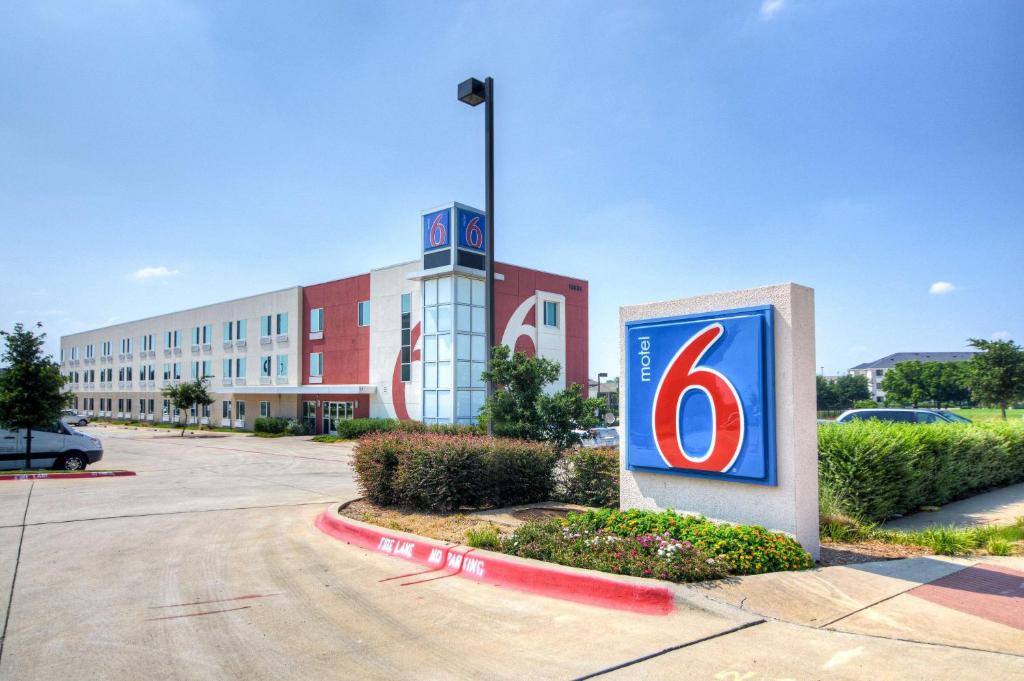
column 153, row 273
column 941, row 288
column 769, row 8
column 1000, row 335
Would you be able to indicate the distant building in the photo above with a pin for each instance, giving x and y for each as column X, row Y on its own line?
column 875, row 371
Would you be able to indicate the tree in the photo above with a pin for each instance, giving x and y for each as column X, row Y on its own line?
column 187, row 395
column 841, row 392
column 947, row 383
column 827, row 400
column 851, row 389
column 520, row 408
column 30, row 387
column 906, row 383
column 996, row 374
column 939, row 383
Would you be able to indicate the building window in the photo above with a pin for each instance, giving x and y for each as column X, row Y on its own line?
column 241, row 326
column 265, row 366
column 207, row 334
column 195, row 335
column 240, row 367
column 177, row 371
column 206, row 409
column 207, row 369
column 406, row 337
column 309, row 416
column 194, row 372
column 364, row 313
column 879, row 372
column 282, row 323
column 316, row 364
column 282, row 366
column 128, row 406
column 316, row 320
column 264, row 408
column 229, row 328
column 226, row 368
column 240, row 410
column 225, row 409
column 550, row 313
column 265, row 326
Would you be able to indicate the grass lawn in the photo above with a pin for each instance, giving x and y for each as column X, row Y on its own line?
column 994, row 540
column 982, row 415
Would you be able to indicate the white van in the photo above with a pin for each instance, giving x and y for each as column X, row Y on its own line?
column 59, row 446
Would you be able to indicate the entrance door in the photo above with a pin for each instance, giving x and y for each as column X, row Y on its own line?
column 335, row 411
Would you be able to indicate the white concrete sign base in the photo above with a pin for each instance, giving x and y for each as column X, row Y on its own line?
column 790, row 506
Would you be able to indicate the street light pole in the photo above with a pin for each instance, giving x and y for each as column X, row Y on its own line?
column 473, row 92
column 489, row 209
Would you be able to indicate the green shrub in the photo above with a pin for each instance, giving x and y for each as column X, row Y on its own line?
column 436, row 472
column 453, row 429
column 998, row 547
column 270, row 424
column 296, row 428
column 485, row 537
column 747, row 549
column 590, row 477
column 888, row 469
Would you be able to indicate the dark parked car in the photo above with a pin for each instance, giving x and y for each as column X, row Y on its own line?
column 901, row 416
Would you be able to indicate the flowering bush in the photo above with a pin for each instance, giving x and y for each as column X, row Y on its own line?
column 648, row 555
column 747, row 549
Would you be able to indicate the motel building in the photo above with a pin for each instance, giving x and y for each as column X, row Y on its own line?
column 404, row 341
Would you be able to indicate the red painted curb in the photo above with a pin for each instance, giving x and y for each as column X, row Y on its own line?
column 65, row 476
column 502, row 570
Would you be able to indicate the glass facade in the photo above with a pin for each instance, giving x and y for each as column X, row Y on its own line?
column 453, row 349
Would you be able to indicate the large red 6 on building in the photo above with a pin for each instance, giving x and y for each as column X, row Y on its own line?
column 700, row 396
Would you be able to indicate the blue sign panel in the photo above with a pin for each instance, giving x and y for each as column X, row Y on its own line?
column 437, row 229
column 701, row 395
column 471, row 230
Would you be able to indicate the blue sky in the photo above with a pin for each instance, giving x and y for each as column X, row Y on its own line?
column 161, row 155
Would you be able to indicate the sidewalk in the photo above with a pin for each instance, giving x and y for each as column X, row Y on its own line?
column 1000, row 506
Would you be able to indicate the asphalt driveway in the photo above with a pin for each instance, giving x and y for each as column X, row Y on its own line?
column 206, row 565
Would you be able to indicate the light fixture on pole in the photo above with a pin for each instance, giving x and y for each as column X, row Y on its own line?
column 474, row 92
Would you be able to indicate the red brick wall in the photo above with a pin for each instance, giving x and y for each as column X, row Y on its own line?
column 519, row 284
column 345, row 344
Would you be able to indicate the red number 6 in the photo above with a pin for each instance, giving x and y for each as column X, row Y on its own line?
column 727, row 426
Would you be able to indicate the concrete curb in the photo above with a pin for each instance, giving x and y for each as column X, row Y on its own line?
column 545, row 579
column 66, row 476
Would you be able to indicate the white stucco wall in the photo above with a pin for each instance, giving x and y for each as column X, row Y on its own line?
column 386, row 288
column 792, row 505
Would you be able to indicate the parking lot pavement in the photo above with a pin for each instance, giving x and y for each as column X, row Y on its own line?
column 207, row 565
column 775, row 651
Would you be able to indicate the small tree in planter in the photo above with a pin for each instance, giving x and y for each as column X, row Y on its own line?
column 30, row 386
column 187, row 395
column 520, row 408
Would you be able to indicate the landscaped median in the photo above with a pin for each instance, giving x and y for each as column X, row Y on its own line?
column 441, row 485
column 447, row 559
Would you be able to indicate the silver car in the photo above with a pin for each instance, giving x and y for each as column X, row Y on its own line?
column 602, row 437
column 901, row 416
column 70, row 417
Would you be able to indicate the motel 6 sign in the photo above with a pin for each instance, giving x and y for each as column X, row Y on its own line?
column 701, row 395
column 437, row 227
column 471, row 229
